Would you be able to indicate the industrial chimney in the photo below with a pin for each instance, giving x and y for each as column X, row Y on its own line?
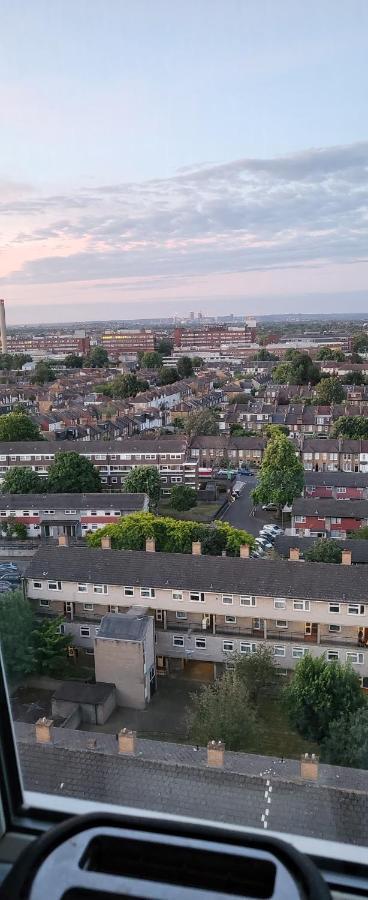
column 4, row 344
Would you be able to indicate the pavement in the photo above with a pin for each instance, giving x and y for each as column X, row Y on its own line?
column 241, row 513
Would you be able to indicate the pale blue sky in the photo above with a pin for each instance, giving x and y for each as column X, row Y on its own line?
column 115, row 92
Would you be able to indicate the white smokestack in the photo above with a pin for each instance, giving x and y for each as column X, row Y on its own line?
column 4, row 343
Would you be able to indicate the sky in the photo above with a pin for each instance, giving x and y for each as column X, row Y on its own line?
column 159, row 157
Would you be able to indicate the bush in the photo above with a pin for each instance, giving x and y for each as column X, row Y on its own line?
column 183, row 497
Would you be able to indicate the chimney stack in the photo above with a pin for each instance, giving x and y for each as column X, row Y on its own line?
column 309, row 767
column 106, row 542
column 44, row 730
column 346, row 557
column 150, row 545
column 294, row 553
column 4, row 341
column 127, row 741
column 244, row 551
column 196, row 548
column 216, row 754
column 63, row 540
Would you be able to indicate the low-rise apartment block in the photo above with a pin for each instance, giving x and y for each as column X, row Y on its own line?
column 339, row 485
column 51, row 515
column 205, row 607
column 318, row 517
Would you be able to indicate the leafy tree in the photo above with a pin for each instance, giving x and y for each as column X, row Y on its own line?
column 50, row 647
column 164, row 347
column 258, row 672
column 282, row 374
column 22, row 481
column 17, row 426
column 16, row 627
column 172, row 535
column 281, row 474
column 73, row 361
column 178, row 422
column 326, row 353
column 98, row 358
column 330, row 390
column 197, row 362
column 183, row 497
column 71, row 473
column 205, row 421
column 185, row 367
column 347, row 741
column 168, row 375
column 354, row 427
column 43, row 373
column 264, row 355
column 360, row 534
column 123, row 387
column 222, row 711
column 239, row 431
column 144, row 480
column 359, row 343
column 297, row 368
column 14, row 529
column 356, row 358
column 10, row 361
column 319, row 690
column 272, row 430
column 151, row 360
column 324, row 551
column 354, row 378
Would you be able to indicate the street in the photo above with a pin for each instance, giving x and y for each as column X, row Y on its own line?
column 240, row 514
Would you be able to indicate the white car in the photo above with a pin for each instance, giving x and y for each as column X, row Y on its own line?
column 264, row 543
column 272, row 529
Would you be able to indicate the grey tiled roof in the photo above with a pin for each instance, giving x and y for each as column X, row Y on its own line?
column 313, row 506
column 119, row 501
column 115, row 626
column 340, row 479
column 264, row 577
column 283, row 543
column 175, row 779
column 138, row 444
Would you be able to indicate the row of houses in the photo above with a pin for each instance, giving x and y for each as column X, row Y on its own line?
column 74, row 515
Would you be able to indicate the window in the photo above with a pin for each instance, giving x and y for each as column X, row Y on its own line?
column 100, row 589
column 181, row 615
column 356, row 609
column 177, row 595
column 178, row 640
column 26, row 512
column 299, row 652
column 85, row 631
column 258, row 624
column 82, row 588
column 334, row 629
column 88, row 607
column 247, row 601
column 230, row 620
column 159, row 616
column 227, row 599
column 129, row 591
column 196, row 597
column 37, row 584
column 200, row 643
column 44, row 602
column 247, row 647
column 334, row 607
column 281, row 623
column 332, row 654
column 300, row 519
column 279, row 650
column 279, row 603
column 54, row 585
column 303, row 605
column 70, row 512
column 148, row 593
column 228, row 646
column 355, row 657
column 335, row 520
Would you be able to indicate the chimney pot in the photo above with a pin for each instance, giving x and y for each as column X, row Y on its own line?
column 44, row 730
column 63, row 540
column 244, row 551
column 127, row 741
column 150, row 545
column 309, row 767
column 346, row 557
column 215, row 754
column 196, row 548
column 294, row 553
column 106, row 542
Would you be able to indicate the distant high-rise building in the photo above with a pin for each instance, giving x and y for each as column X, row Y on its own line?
column 4, row 344
column 191, row 316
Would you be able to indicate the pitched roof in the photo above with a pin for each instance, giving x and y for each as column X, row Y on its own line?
column 264, row 577
column 341, row 479
column 115, row 626
column 121, row 501
column 283, row 543
column 314, row 506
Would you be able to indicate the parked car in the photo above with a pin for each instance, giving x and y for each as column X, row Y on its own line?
column 9, row 565
column 272, row 529
column 263, row 542
column 270, row 507
column 5, row 586
column 12, row 577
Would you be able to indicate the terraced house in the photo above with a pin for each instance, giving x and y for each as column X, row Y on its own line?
column 52, row 515
column 206, row 608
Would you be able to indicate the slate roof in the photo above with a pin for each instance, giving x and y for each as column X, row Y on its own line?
column 340, row 479
column 142, row 444
column 263, row 577
column 314, row 506
column 174, row 779
column 283, row 543
column 115, row 626
column 72, row 501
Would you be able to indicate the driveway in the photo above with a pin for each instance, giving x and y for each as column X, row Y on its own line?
column 241, row 513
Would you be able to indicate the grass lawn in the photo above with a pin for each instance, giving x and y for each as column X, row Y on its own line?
column 278, row 738
column 202, row 512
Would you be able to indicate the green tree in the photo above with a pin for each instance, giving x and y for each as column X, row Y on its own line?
column 183, row 497
column 151, row 360
column 123, row 386
column 71, row 473
column 222, row 711
column 360, row 534
column 347, row 741
column 324, row 551
column 359, row 343
column 330, row 390
column 168, row 375
column 50, row 647
column 327, row 353
column 197, row 362
column 164, row 347
column 297, row 368
column 185, row 367
column 205, row 421
column 73, row 361
column 354, row 427
column 259, row 672
column 354, row 378
column 264, row 355
column 43, row 373
column 144, row 480
column 319, row 690
column 98, row 358
column 22, row 481
column 16, row 627
column 14, row 529
column 17, row 426
column 178, row 422
column 281, row 476
column 282, row 374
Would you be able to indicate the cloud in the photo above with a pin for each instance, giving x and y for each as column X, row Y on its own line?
column 304, row 210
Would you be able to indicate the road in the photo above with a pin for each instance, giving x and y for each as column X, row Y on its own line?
column 240, row 512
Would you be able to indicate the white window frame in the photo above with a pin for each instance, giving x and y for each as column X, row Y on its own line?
column 227, row 599
column 128, row 590
column 181, row 614
column 334, row 629
column 359, row 661
column 281, row 623
column 177, row 595
column 230, row 620
column 82, row 588
column 228, row 646
column 44, row 602
column 298, row 652
column 301, row 605
column 358, row 606
column 246, row 600
column 200, row 643
column 279, row 650
column 196, row 597
column 178, row 640
column 248, row 647
column 335, row 610
column 86, row 629
column 148, row 593
column 58, row 585
column 38, row 585
column 88, row 607
column 279, row 603
column 100, row 589
column 332, row 655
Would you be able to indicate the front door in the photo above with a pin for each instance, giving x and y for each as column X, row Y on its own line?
column 311, row 631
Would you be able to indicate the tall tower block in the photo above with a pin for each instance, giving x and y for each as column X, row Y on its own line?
column 4, row 343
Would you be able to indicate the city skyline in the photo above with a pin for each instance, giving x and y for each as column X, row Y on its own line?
column 154, row 163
